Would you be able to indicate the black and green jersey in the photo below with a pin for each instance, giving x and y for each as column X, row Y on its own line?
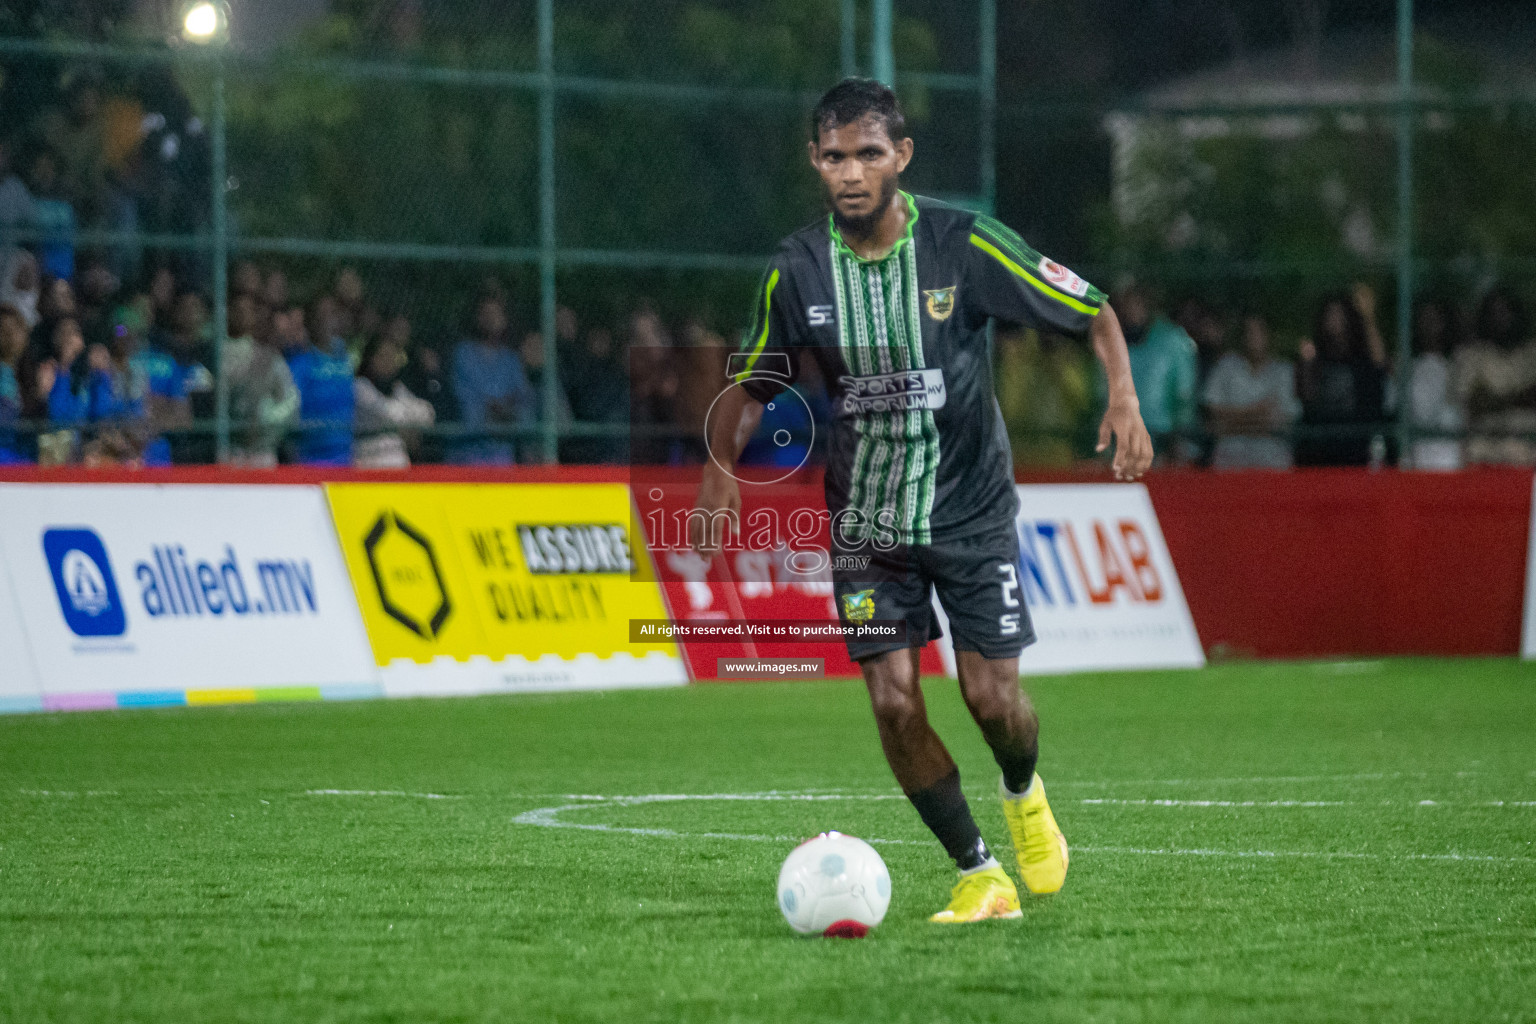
column 918, row 446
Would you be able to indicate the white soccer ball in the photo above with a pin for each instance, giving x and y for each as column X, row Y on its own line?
column 834, row 885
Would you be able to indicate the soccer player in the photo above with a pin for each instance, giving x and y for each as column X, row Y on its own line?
column 892, row 294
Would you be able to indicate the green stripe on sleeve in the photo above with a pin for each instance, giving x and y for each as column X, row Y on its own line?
column 1045, row 289
column 762, row 339
column 1004, row 237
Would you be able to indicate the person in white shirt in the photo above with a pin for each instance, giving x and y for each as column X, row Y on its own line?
column 263, row 399
column 385, row 405
column 17, row 208
column 1434, row 406
column 1496, row 383
column 1251, row 399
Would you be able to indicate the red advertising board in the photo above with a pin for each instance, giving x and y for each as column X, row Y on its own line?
column 777, row 569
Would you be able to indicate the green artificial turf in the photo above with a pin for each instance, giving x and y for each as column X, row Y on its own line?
column 177, row 865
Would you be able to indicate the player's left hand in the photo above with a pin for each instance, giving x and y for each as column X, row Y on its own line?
column 1133, row 445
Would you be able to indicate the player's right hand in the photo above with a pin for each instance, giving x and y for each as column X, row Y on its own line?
column 717, row 510
column 1122, row 424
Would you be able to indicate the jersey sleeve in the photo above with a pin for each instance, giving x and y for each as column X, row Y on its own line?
column 1009, row 281
column 769, row 358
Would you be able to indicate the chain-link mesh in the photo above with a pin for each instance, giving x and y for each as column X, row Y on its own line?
column 612, row 176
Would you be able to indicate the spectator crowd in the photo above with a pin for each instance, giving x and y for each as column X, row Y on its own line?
column 108, row 355
column 98, row 373
column 106, row 375
column 1216, row 391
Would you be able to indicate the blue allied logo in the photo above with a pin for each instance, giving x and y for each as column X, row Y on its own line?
column 82, row 576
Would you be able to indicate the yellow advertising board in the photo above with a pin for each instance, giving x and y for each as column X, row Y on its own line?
column 484, row 587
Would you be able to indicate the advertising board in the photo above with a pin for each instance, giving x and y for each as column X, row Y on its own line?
column 1528, row 623
column 19, row 688
column 776, row 570
column 477, row 588
column 1094, row 574
column 179, row 593
column 1100, row 586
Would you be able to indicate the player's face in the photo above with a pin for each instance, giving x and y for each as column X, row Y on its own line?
column 860, row 165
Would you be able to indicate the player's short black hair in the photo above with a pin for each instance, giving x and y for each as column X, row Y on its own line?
column 856, row 98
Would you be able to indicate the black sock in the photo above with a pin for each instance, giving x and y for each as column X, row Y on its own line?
column 943, row 809
column 1018, row 769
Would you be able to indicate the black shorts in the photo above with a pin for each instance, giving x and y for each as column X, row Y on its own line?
column 977, row 579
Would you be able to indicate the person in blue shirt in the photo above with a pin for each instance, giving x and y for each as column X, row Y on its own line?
column 73, row 383
column 324, row 379
column 1164, row 367
column 13, row 345
column 126, row 402
column 787, row 432
column 70, row 381
column 491, row 387
column 176, row 376
column 55, row 302
column 53, row 215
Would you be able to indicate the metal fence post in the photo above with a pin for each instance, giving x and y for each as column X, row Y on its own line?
column 220, row 225
column 1405, row 244
column 547, row 251
column 883, row 66
column 986, row 136
column 848, row 52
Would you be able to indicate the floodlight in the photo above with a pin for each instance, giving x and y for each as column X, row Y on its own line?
column 204, row 22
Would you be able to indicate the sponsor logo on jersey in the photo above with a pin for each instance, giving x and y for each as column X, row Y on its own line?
column 903, row 391
column 83, row 580
column 941, row 302
column 859, row 606
column 1062, row 278
column 818, row 316
column 570, row 549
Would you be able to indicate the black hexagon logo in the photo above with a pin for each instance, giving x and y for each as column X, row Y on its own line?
column 406, row 573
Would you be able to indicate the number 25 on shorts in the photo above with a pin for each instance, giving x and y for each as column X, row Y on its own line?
column 1008, row 622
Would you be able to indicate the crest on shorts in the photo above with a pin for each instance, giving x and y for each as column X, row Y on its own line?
column 941, row 302
column 859, row 606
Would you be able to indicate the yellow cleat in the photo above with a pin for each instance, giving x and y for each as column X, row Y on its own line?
column 979, row 896
column 1037, row 841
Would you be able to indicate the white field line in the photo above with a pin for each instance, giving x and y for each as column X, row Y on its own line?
column 1218, row 803
column 1306, row 803
column 549, row 817
column 1260, row 779
column 379, row 792
column 552, row 817
column 822, row 795
column 71, row 794
column 1321, row 854
column 1349, row 668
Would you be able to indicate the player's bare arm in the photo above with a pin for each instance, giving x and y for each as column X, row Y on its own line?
column 1122, row 419
column 731, row 425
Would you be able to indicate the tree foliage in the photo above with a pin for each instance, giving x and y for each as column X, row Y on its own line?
column 324, row 155
column 1310, row 199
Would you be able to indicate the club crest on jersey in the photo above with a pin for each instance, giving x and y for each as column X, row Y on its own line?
column 859, row 606
column 941, row 302
column 1062, row 278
